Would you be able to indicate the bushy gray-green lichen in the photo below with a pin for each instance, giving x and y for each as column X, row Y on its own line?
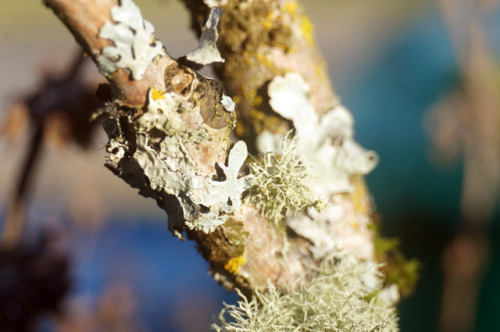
column 281, row 184
column 344, row 297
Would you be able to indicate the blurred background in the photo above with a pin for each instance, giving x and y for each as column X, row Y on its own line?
column 422, row 79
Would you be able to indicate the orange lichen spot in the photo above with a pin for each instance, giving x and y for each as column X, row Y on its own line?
column 236, row 99
column 307, row 29
column 257, row 115
column 157, row 94
column 239, row 129
column 233, row 265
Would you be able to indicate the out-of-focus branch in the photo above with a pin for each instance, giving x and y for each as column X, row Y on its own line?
column 478, row 110
column 14, row 221
column 469, row 120
column 65, row 94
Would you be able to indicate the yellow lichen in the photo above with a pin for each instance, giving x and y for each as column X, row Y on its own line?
column 257, row 101
column 233, row 265
column 307, row 29
column 291, row 7
column 240, row 129
column 232, row 124
column 265, row 60
column 157, row 94
column 359, row 196
column 268, row 21
column 262, row 121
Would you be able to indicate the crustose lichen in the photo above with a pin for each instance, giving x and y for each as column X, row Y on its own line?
column 281, row 184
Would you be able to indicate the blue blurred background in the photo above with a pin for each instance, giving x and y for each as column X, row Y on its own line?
column 394, row 64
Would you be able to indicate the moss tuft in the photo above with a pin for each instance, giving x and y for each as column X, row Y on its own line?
column 397, row 269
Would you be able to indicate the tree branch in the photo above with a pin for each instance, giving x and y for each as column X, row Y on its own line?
column 169, row 130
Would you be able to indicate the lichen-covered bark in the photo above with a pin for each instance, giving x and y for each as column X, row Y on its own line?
column 169, row 130
column 164, row 117
column 261, row 41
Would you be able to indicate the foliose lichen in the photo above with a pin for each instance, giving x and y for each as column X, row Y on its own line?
column 325, row 142
column 215, row 3
column 207, row 51
column 134, row 46
column 346, row 295
column 156, row 139
column 160, row 152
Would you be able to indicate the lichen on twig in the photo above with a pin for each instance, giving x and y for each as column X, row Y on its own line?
column 281, row 184
column 345, row 296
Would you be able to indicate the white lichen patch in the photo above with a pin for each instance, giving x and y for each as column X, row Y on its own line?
column 161, row 154
column 221, row 196
column 242, row 4
column 325, row 142
column 207, row 51
column 216, row 193
column 269, row 142
column 228, row 103
column 215, row 3
column 316, row 227
column 343, row 297
column 134, row 46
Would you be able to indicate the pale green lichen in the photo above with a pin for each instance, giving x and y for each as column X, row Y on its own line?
column 134, row 46
column 343, row 297
column 281, row 184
